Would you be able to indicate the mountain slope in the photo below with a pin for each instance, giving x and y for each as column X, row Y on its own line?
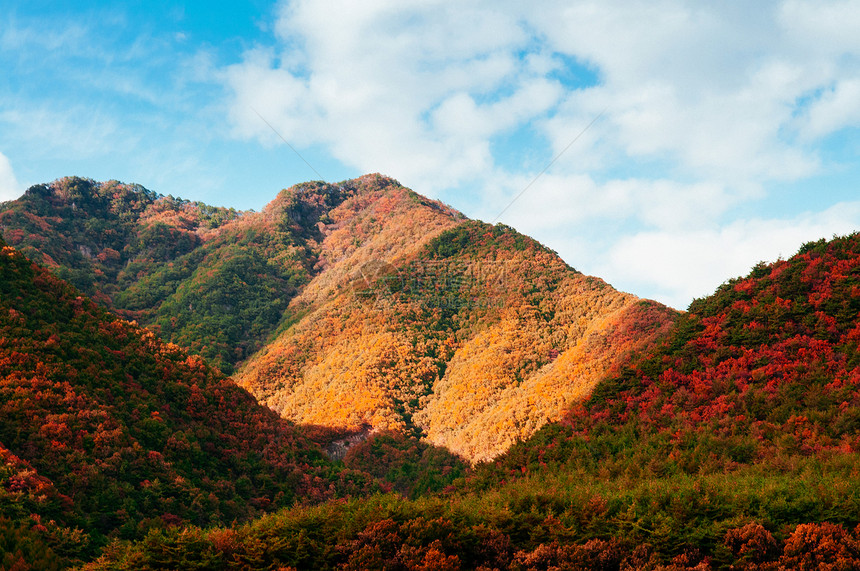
column 473, row 337
column 213, row 280
column 34, row 514
column 737, row 438
column 129, row 431
column 368, row 306
column 768, row 365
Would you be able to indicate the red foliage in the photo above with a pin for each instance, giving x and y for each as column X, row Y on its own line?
column 777, row 352
column 129, row 427
column 824, row 546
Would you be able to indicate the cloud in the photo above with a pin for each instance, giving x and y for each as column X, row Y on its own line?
column 555, row 203
column 416, row 91
column 836, row 108
column 24, row 39
column 420, row 90
column 711, row 88
column 680, row 266
column 73, row 131
column 822, row 28
column 10, row 189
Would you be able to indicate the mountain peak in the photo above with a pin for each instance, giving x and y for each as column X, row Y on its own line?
column 425, row 322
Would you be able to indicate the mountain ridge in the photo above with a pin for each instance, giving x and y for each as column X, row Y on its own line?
column 160, row 260
column 724, row 437
column 349, row 304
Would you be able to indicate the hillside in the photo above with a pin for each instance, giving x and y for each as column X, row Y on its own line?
column 733, row 444
column 212, row 280
column 739, row 437
column 359, row 305
column 33, row 513
column 107, row 430
column 473, row 337
column 768, row 365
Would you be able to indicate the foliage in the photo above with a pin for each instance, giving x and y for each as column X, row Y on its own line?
column 760, row 378
column 724, row 438
column 212, row 280
column 472, row 336
column 105, row 427
column 574, row 520
column 767, row 366
column 33, row 514
column 367, row 303
column 23, row 549
column 412, row 467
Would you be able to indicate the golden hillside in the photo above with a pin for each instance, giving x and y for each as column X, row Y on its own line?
column 473, row 336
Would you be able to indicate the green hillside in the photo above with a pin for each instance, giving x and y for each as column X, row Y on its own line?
column 213, row 280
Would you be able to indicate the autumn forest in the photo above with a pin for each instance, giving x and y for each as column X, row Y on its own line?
column 358, row 377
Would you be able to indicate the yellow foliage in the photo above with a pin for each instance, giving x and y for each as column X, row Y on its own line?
column 531, row 337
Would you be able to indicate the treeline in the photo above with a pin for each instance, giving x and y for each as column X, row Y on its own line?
column 572, row 521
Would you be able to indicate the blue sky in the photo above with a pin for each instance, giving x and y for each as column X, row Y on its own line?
column 728, row 132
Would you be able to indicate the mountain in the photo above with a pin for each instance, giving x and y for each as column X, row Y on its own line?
column 607, row 432
column 359, row 305
column 424, row 322
column 768, row 365
column 106, row 431
column 474, row 337
column 731, row 444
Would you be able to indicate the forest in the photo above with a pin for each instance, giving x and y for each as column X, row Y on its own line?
column 537, row 419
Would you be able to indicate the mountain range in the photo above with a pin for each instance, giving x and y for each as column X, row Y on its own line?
column 361, row 305
column 518, row 413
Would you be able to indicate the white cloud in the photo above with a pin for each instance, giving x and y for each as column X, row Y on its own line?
column 415, row 91
column 10, row 189
column 710, row 88
column 557, row 201
column 681, row 266
column 822, row 27
column 75, row 131
column 836, row 108
column 25, row 39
